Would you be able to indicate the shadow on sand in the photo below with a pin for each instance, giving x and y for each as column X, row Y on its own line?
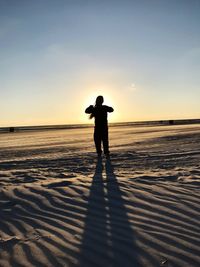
column 108, row 239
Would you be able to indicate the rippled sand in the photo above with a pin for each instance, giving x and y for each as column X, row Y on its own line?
column 60, row 206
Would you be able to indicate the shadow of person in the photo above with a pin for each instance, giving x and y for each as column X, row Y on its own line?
column 108, row 238
column 94, row 238
column 121, row 234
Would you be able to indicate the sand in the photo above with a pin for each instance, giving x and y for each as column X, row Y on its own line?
column 61, row 206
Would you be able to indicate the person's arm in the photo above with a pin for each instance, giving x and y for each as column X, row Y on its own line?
column 89, row 109
column 109, row 109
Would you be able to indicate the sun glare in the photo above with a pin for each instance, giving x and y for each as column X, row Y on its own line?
column 108, row 100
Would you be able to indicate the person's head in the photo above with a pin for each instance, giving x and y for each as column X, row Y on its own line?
column 99, row 100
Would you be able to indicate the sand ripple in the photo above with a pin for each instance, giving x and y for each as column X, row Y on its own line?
column 141, row 208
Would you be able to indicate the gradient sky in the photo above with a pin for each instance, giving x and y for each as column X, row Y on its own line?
column 57, row 56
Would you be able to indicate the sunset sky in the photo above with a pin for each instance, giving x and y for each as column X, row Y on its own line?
column 57, row 56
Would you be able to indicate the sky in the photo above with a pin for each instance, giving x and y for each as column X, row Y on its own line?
column 57, row 56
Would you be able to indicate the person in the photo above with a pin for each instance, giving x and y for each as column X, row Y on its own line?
column 99, row 113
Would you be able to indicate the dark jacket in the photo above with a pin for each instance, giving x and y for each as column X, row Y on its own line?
column 100, row 114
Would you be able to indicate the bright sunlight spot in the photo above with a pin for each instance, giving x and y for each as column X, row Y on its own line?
column 109, row 100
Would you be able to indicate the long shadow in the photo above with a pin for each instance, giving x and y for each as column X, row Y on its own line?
column 94, row 238
column 123, row 247
column 108, row 238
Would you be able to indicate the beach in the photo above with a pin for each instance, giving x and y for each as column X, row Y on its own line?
column 62, row 206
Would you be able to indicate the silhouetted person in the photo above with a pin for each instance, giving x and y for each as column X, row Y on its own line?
column 99, row 113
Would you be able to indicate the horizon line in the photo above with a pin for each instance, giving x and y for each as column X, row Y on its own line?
column 110, row 123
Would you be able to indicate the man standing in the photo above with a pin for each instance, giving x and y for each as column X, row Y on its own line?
column 99, row 113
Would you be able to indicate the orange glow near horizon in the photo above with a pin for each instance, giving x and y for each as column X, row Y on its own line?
column 57, row 63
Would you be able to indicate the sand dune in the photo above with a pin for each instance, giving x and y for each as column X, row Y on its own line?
column 60, row 206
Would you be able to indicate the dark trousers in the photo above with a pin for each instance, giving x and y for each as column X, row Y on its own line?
column 101, row 136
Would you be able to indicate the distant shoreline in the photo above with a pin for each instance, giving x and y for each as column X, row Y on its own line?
column 79, row 126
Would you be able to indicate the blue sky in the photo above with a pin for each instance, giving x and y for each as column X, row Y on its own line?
column 56, row 56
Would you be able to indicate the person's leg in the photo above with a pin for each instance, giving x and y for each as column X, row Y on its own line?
column 97, row 141
column 105, row 141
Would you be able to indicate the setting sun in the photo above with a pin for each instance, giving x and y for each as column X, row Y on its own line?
column 109, row 100
column 57, row 58
column 99, row 133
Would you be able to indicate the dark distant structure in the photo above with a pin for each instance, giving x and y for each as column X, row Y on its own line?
column 99, row 113
column 171, row 122
column 11, row 129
